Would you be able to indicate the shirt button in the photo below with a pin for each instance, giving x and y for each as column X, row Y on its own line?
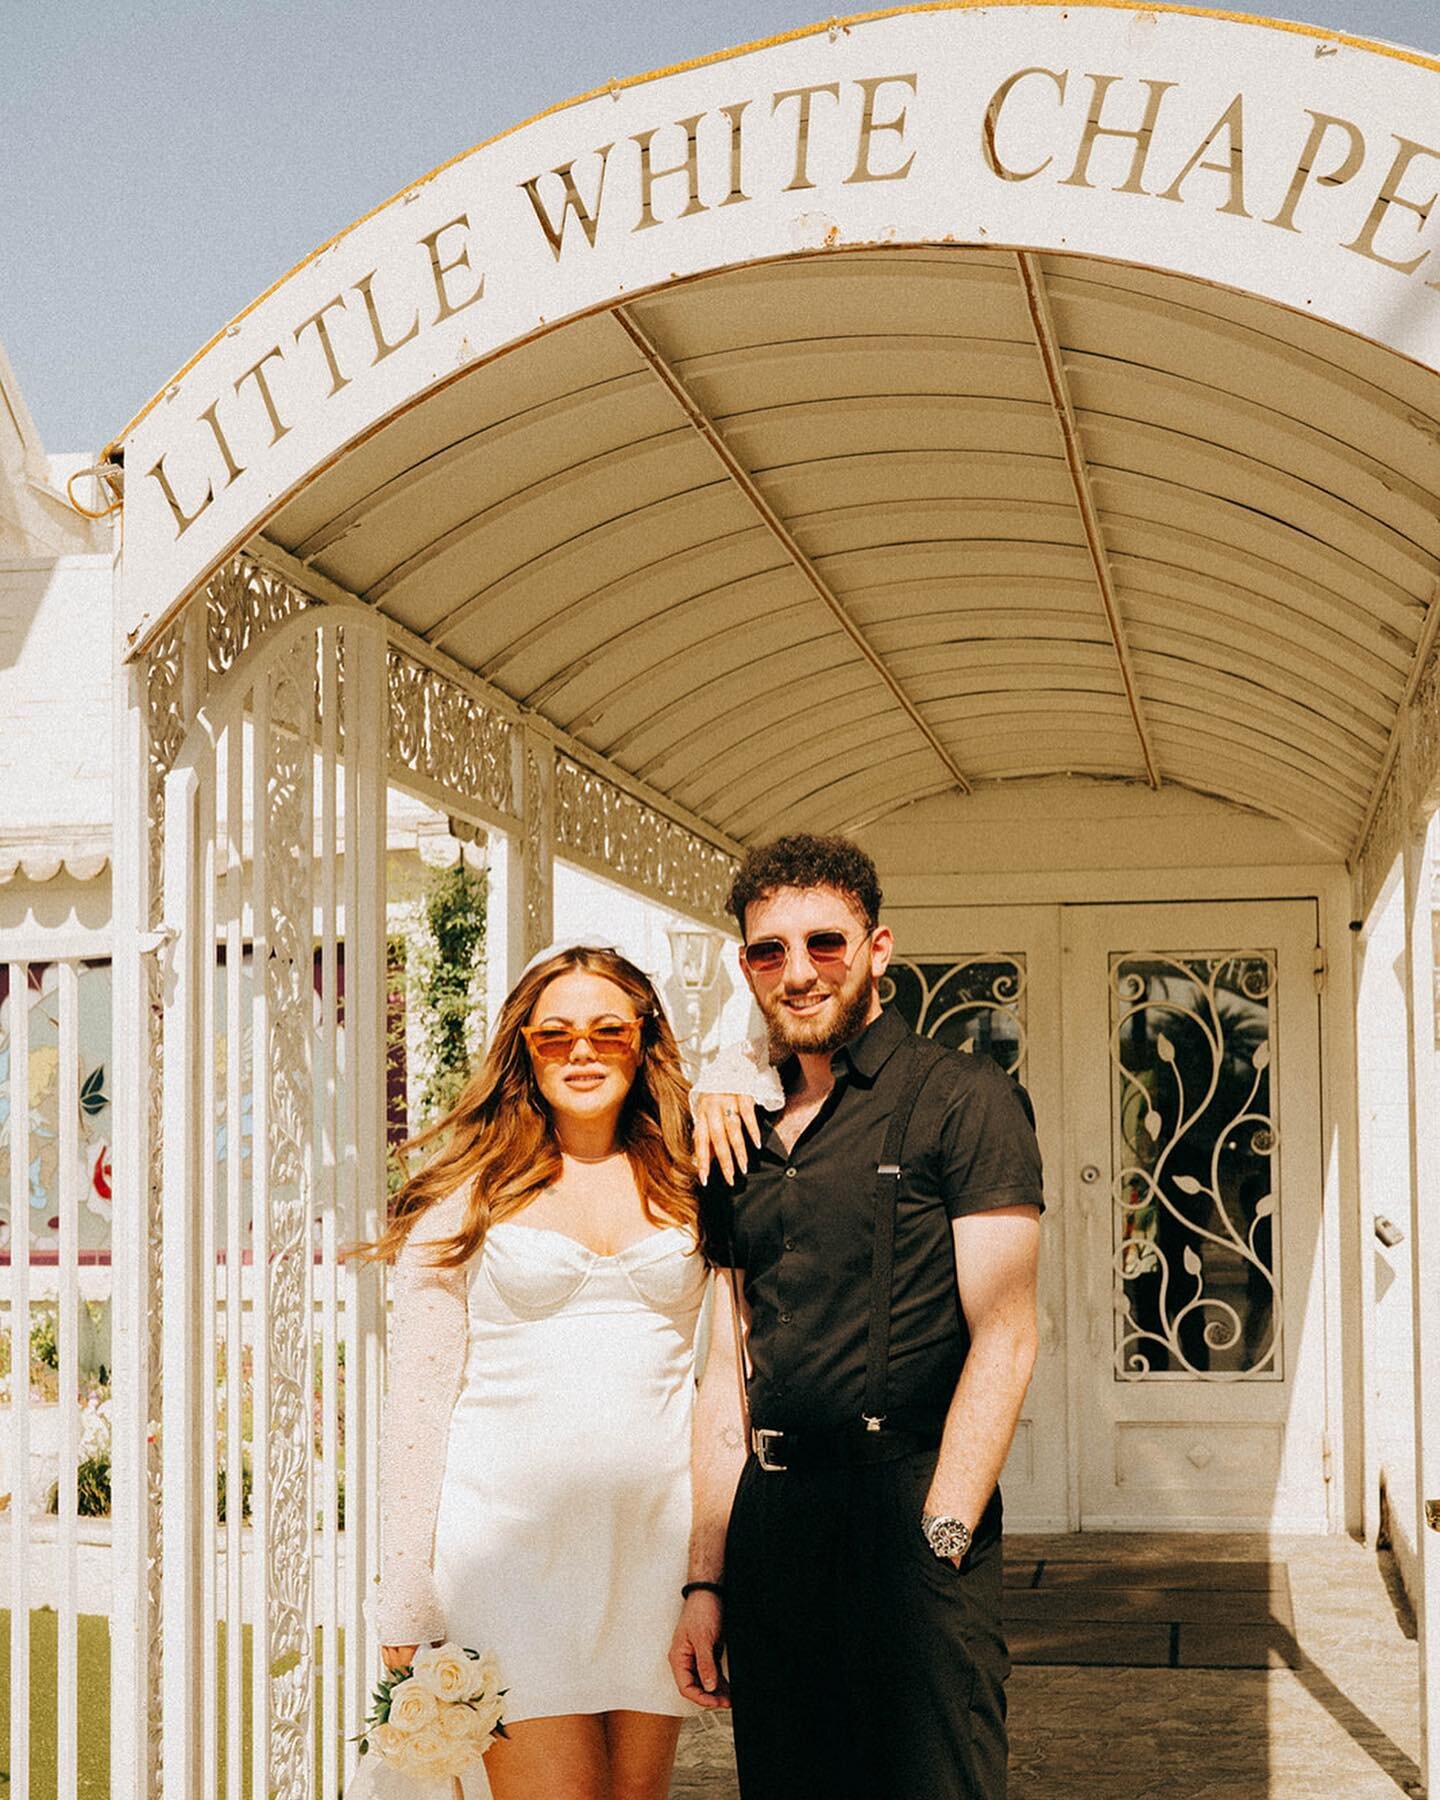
column 786, row 1317
column 789, row 1243
column 792, row 1173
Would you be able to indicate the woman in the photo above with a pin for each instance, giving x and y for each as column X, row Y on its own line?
column 534, row 1458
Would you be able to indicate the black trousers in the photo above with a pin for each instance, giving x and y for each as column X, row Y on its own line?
column 862, row 1666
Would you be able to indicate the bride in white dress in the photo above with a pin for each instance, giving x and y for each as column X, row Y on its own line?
column 534, row 1474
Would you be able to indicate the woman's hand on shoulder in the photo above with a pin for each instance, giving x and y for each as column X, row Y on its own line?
column 721, row 1122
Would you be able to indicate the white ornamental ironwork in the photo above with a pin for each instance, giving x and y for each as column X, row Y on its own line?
column 601, row 824
column 274, row 840
column 460, row 748
column 1196, row 1290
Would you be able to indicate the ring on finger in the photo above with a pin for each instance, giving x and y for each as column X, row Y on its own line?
column 732, row 1112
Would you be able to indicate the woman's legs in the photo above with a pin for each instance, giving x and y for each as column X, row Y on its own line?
column 585, row 1756
column 641, row 1754
column 551, row 1759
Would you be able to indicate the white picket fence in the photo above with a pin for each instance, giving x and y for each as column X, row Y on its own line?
column 33, row 1425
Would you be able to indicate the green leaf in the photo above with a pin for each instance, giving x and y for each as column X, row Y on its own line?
column 93, row 1098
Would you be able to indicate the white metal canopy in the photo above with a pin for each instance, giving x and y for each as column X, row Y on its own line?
column 797, row 543
column 700, row 418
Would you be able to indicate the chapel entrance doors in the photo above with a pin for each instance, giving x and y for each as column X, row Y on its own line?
column 1193, row 1171
column 1172, row 1055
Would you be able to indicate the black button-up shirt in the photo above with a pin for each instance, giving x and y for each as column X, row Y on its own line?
column 800, row 1226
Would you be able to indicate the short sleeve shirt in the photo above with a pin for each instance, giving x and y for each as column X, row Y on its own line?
column 800, row 1225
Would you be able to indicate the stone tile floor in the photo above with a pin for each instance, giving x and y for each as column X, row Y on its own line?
column 1341, row 1725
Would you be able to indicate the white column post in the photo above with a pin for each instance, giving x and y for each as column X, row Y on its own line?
column 1421, row 858
column 188, row 1291
column 520, row 871
column 130, row 1616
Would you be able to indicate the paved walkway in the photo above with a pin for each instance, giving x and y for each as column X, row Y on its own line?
column 1341, row 1724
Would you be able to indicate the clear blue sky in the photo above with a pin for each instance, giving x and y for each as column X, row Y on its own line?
column 165, row 160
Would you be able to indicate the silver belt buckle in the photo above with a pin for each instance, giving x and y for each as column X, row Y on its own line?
column 760, row 1442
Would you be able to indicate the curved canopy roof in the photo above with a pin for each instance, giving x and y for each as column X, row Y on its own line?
column 798, row 543
column 705, row 417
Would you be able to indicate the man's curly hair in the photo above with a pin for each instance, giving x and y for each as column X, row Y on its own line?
column 805, row 861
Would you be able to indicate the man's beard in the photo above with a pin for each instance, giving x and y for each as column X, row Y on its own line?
column 821, row 1036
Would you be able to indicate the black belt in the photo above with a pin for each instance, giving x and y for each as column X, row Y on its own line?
column 847, row 1448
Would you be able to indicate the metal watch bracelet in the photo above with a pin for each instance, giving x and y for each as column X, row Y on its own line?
column 946, row 1536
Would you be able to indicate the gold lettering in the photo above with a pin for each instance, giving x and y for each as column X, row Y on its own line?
column 322, row 331
column 1232, row 120
column 555, row 234
column 383, row 347
column 649, row 175
column 1321, row 124
column 869, row 125
column 804, row 95
column 233, row 470
column 183, row 520
column 998, row 101
column 734, row 115
column 446, row 308
column 1390, row 195
column 257, row 369
column 1094, row 130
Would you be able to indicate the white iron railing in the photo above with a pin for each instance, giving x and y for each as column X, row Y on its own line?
column 274, row 860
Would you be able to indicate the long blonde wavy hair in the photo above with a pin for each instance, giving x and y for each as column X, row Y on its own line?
column 499, row 1141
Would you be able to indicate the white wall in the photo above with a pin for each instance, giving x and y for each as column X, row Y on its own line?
column 55, row 697
column 1039, row 841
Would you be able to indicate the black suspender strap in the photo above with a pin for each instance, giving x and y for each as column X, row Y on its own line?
column 924, row 1057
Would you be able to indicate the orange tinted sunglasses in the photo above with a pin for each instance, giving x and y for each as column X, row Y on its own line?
column 611, row 1041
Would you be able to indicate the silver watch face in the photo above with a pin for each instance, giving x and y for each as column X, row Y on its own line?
column 946, row 1536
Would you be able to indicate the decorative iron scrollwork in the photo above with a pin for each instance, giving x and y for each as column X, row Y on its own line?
column 976, row 1004
column 606, row 826
column 442, row 731
column 1196, row 1288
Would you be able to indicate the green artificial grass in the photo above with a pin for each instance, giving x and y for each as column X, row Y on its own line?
column 93, row 1689
column 94, row 1704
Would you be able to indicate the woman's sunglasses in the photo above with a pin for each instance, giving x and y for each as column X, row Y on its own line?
column 826, row 949
column 611, row 1041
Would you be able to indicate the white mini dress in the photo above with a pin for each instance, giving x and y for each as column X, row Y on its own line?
column 535, row 1460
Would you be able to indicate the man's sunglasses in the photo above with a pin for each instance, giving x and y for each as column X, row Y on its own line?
column 826, row 949
column 611, row 1041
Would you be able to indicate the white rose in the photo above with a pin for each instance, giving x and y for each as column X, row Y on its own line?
column 447, row 1672
column 455, row 1722
column 412, row 1706
column 428, row 1753
column 387, row 1742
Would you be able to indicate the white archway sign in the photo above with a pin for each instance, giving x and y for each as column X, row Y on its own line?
column 1296, row 165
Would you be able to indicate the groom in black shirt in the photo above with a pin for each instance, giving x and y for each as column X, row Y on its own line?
column 883, row 1242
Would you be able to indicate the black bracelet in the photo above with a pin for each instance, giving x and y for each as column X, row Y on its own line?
column 703, row 1587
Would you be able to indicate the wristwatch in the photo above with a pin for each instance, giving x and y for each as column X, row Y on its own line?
column 946, row 1536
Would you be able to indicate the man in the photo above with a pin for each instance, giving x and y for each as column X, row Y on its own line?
column 853, row 1575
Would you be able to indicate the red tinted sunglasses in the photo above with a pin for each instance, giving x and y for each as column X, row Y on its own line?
column 826, row 949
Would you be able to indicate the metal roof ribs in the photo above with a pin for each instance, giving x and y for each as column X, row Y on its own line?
column 772, row 521
column 1047, row 342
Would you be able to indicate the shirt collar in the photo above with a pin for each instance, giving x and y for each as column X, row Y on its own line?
column 866, row 1055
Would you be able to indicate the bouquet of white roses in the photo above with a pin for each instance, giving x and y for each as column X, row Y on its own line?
column 430, row 1724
